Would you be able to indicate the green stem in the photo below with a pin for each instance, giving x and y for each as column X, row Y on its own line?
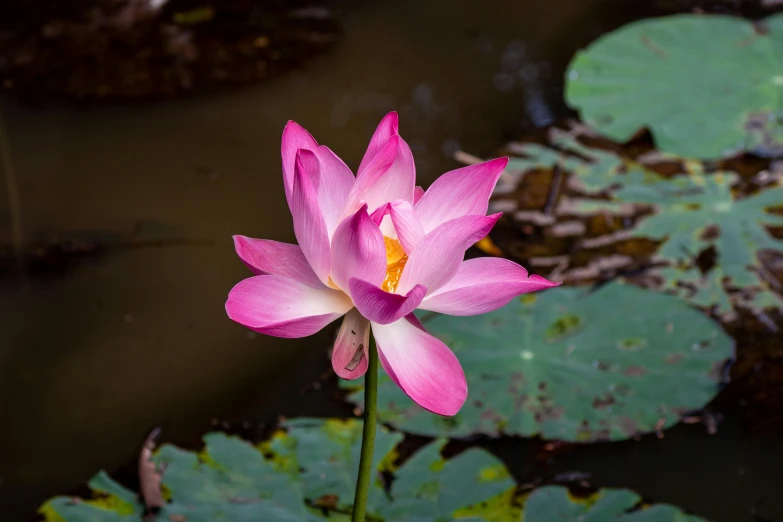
column 368, row 434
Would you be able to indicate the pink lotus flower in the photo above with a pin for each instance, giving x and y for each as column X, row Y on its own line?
column 373, row 249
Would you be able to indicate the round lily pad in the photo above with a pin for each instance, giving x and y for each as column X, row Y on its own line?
column 305, row 474
column 556, row 504
column 705, row 86
column 574, row 365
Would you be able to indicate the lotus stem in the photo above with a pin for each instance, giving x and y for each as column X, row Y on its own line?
column 366, row 471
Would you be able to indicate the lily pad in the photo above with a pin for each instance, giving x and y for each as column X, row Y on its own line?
column 694, row 213
column 687, row 214
column 231, row 480
column 595, row 170
column 306, row 473
column 705, row 86
column 556, row 504
column 574, row 365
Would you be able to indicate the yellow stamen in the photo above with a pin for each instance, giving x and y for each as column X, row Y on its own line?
column 395, row 262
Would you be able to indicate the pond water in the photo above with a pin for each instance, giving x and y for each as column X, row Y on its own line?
column 136, row 335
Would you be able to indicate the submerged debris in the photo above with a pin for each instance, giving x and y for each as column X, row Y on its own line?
column 661, row 221
column 56, row 252
column 139, row 50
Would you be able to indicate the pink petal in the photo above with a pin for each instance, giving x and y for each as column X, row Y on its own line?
column 349, row 357
column 388, row 127
column 295, row 137
column 358, row 250
column 382, row 218
column 406, row 224
column 390, row 175
column 387, row 368
column 461, row 192
column 424, row 368
column 334, row 184
column 482, row 285
column 380, row 213
column 438, row 256
column 278, row 306
column 380, row 306
column 264, row 256
column 418, row 192
column 309, row 223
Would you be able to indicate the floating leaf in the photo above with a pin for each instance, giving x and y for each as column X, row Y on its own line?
column 329, row 453
column 556, row 504
column 698, row 212
column 594, row 170
column 705, row 86
column 574, row 365
column 687, row 214
column 307, row 474
column 113, row 503
column 428, row 487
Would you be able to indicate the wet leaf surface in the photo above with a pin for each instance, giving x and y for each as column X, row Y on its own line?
column 574, row 365
column 556, row 504
column 724, row 71
column 607, row 245
column 702, row 232
column 305, row 473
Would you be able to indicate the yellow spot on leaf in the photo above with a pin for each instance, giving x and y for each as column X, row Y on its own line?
column 110, row 503
column 587, row 501
column 437, row 466
column 49, row 514
column 387, row 464
column 493, row 473
column 280, row 462
column 692, row 166
column 501, row 508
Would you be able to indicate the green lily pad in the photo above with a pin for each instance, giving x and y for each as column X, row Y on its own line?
column 307, row 473
column 556, row 504
column 691, row 213
column 573, row 365
column 231, row 480
column 698, row 212
column 705, row 86
column 327, row 453
column 595, row 170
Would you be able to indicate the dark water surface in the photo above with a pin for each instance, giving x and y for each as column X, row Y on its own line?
column 137, row 336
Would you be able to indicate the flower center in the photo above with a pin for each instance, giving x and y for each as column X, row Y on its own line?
column 395, row 262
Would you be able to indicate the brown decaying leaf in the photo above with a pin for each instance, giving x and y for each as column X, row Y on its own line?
column 150, row 475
